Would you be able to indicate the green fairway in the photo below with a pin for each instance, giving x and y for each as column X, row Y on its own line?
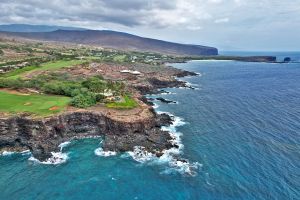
column 59, row 64
column 46, row 66
column 119, row 58
column 41, row 105
column 129, row 103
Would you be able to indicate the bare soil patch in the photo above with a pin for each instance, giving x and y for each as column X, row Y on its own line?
column 54, row 108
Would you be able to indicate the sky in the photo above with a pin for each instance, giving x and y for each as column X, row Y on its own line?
column 253, row 25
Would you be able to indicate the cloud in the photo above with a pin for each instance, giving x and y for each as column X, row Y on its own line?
column 190, row 14
column 222, row 20
column 128, row 13
column 167, row 19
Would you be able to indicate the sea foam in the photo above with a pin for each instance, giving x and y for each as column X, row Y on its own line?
column 56, row 159
column 101, row 152
column 63, row 145
column 9, row 153
column 170, row 157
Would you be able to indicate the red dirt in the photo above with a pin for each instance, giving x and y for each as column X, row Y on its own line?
column 54, row 108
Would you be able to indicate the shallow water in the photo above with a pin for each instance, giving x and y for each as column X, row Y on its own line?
column 241, row 134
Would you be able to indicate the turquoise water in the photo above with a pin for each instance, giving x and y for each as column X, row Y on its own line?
column 242, row 131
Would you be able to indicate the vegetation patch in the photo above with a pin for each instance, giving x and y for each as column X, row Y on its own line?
column 128, row 103
column 59, row 64
column 40, row 105
column 46, row 66
column 85, row 92
column 16, row 73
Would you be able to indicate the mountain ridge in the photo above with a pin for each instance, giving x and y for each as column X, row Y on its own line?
column 115, row 40
column 35, row 28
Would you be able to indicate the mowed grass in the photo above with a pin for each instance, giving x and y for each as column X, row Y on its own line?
column 39, row 105
column 128, row 103
column 119, row 58
column 46, row 66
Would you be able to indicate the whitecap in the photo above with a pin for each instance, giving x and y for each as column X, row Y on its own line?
column 26, row 152
column 167, row 93
column 199, row 74
column 181, row 166
column 169, row 156
column 139, row 154
column 56, row 159
column 191, row 85
column 155, row 105
column 63, row 145
column 7, row 153
column 177, row 121
column 101, row 152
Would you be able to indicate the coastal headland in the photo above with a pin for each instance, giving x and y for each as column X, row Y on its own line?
column 42, row 131
column 52, row 93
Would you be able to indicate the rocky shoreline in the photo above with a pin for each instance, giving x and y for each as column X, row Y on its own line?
column 44, row 135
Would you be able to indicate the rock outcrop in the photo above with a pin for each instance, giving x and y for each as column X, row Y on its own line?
column 121, row 130
column 287, row 59
column 43, row 136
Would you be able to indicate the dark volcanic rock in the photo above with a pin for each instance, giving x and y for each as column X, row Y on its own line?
column 156, row 83
column 165, row 100
column 256, row 59
column 146, row 101
column 287, row 59
column 184, row 73
column 164, row 120
column 43, row 136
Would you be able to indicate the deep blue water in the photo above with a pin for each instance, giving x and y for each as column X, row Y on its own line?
column 242, row 128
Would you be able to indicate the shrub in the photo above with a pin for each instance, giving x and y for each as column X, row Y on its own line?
column 11, row 83
column 99, row 97
column 61, row 88
column 83, row 101
column 53, row 88
column 94, row 84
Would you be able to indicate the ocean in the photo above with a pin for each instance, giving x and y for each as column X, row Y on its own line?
column 239, row 129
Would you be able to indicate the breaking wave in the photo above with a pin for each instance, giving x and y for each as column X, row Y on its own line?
column 9, row 153
column 101, row 152
column 63, row 145
column 170, row 157
column 56, row 159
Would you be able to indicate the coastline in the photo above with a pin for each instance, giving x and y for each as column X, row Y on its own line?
column 43, row 136
column 144, row 135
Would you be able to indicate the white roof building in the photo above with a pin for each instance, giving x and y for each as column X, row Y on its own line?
column 131, row 72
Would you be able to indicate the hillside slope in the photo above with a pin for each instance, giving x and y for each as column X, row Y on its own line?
column 116, row 40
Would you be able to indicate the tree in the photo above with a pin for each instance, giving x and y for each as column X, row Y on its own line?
column 83, row 101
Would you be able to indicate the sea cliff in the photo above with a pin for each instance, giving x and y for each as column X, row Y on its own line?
column 43, row 136
column 121, row 130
